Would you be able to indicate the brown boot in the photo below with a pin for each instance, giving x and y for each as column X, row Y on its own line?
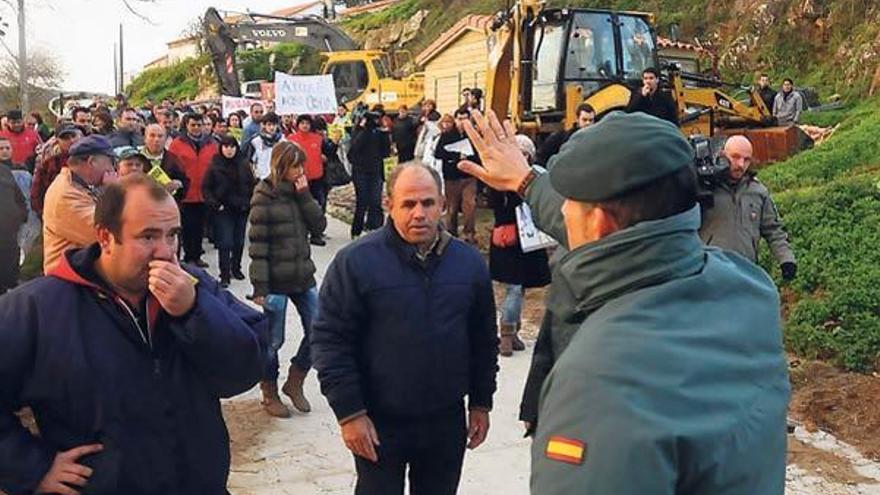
column 271, row 402
column 293, row 388
column 505, row 346
column 518, row 345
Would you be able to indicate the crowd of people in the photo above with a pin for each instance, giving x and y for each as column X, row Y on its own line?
column 125, row 347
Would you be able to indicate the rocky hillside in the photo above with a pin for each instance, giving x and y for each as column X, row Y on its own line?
column 833, row 45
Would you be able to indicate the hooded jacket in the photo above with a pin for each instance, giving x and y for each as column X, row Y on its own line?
column 146, row 387
column 667, row 386
column 229, row 183
column 260, row 151
column 281, row 220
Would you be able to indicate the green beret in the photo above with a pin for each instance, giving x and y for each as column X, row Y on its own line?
column 623, row 152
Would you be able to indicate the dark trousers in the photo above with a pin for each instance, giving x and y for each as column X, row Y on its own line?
column 192, row 219
column 368, row 202
column 229, row 229
column 432, row 449
column 406, row 152
column 461, row 196
column 318, row 188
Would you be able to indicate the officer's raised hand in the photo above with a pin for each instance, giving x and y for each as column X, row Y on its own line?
column 361, row 438
column 504, row 166
column 172, row 287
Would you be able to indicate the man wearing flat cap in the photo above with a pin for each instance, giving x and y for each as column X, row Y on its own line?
column 674, row 380
column 69, row 211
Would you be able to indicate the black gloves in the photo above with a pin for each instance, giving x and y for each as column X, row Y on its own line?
column 789, row 271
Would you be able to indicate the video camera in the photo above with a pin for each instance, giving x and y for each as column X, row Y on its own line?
column 711, row 169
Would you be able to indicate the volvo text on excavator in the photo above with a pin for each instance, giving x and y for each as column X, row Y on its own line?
column 359, row 75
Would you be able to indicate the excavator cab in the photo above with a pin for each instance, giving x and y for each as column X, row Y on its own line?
column 580, row 53
column 365, row 76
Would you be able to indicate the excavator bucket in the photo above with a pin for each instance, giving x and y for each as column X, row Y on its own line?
column 773, row 144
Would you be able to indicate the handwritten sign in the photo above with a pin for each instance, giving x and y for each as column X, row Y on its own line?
column 233, row 104
column 304, row 94
column 530, row 238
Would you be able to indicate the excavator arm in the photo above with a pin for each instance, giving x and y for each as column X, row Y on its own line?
column 222, row 39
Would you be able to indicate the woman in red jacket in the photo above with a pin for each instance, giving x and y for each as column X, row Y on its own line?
column 312, row 143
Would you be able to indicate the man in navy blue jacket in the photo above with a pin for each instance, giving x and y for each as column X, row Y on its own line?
column 407, row 330
column 123, row 355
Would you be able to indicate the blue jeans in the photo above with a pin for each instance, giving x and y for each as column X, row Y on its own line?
column 275, row 308
column 511, row 307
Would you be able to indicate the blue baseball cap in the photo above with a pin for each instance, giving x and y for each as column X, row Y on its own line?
column 92, row 145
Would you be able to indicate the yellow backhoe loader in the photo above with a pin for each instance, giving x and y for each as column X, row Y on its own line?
column 544, row 62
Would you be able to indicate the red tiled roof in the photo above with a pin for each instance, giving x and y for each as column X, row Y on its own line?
column 668, row 43
column 473, row 22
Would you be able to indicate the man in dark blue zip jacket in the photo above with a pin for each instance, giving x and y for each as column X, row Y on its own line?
column 406, row 330
column 123, row 355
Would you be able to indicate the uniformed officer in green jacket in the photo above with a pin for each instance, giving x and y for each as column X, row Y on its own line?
column 675, row 381
column 743, row 212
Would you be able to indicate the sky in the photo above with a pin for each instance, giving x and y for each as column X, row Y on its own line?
column 81, row 33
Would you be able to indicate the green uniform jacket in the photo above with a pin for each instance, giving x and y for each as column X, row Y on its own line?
column 675, row 381
column 742, row 215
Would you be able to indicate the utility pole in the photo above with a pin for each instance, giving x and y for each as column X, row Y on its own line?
column 22, row 60
column 121, row 69
column 115, row 71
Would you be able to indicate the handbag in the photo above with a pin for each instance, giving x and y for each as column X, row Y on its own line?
column 504, row 236
column 336, row 174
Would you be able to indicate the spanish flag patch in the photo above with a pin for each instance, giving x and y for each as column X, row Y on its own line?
column 566, row 450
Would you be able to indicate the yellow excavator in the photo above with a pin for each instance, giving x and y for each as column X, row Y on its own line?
column 544, row 62
column 358, row 75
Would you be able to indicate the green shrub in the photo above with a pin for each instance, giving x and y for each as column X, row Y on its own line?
column 854, row 147
column 835, row 230
column 374, row 20
column 177, row 81
column 254, row 64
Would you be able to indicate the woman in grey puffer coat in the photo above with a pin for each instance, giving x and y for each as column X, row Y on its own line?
column 283, row 215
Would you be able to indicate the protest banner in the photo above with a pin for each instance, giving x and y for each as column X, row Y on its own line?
column 233, row 104
column 304, row 94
